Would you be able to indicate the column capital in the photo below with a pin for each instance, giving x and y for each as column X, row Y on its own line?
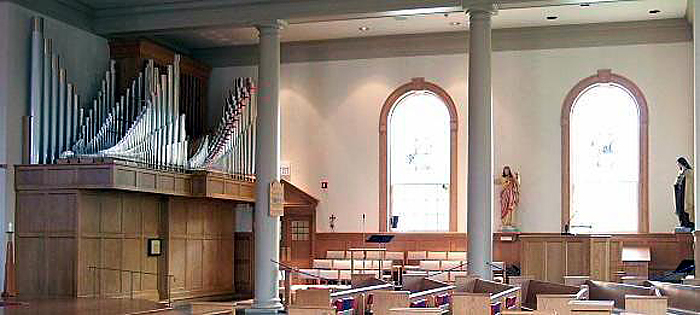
column 480, row 6
column 270, row 25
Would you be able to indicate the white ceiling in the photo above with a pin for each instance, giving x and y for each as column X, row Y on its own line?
column 419, row 24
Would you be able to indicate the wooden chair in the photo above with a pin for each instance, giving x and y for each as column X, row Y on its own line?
column 456, row 255
column 310, row 310
column 415, row 311
column 384, row 301
column 649, row 305
column 471, row 303
column 323, row 264
column 335, row 254
column 437, row 255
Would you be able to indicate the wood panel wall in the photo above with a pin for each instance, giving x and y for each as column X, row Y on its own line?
column 114, row 229
column 667, row 249
column 46, row 241
column 200, row 247
column 93, row 243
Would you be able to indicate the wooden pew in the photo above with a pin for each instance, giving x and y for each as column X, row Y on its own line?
column 465, row 303
column 591, row 307
column 603, row 291
column 310, row 310
column 648, row 305
column 500, row 296
column 313, row 298
column 558, row 303
column 384, row 301
column 428, row 292
column 416, row 311
column 531, row 289
column 680, row 297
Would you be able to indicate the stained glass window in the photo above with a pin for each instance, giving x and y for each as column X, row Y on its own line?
column 419, row 163
column 604, row 159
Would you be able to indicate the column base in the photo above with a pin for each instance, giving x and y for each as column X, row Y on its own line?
column 263, row 311
column 272, row 307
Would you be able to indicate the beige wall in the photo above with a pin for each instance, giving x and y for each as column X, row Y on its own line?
column 330, row 115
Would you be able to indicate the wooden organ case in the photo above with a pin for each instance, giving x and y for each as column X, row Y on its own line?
column 132, row 204
column 131, row 54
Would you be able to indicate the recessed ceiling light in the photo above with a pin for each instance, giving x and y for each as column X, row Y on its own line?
column 585, row 4
column 655, row 11
column 552, row 17
column 364, row 28
column 455, row 23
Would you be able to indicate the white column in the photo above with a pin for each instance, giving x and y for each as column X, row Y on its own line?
column 480, row 168
column 267, row 165
column 696, row 90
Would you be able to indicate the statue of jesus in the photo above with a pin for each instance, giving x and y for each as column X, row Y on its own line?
column 510, row 197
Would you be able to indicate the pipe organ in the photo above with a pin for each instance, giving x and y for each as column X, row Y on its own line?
column 141, row 122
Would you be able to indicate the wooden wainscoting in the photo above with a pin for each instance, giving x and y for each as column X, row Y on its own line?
column 114, row 229
column 47, row 243
column 667, row 249
column 200, row 247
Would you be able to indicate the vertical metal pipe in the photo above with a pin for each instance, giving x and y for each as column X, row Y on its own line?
column 76, row 116
column 61, row 110
column 36, row 79
column 54, row 106
column 46, row 106
column 69, row 117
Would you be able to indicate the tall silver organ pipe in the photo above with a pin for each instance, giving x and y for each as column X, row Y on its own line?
column 36, row 78
column 230, row 148
column 142, row 122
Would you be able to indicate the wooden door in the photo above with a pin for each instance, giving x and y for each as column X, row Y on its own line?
column 297, row 238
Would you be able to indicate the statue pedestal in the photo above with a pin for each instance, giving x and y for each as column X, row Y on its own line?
column 509, row 229
column 680, row 229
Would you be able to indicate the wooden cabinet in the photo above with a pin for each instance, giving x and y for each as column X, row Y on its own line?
column 551, row 257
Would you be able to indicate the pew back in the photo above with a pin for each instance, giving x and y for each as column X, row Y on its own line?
column 465, row 303
column 558, row 303
column 384, row 301
column 680, row 297
column 600, row 290
column 649, row 305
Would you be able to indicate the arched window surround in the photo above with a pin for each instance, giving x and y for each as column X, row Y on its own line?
column 416, row 84
column 607, row 76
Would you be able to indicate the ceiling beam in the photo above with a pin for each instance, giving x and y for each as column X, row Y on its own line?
column 71, row 12
column 212, row 13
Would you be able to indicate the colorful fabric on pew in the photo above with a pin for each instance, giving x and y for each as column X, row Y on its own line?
column 442, row 299
column 496, row 308
column 511, row 301
column 419, row 303
column 345, row 304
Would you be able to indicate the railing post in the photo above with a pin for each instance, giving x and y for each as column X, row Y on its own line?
column 287, row 287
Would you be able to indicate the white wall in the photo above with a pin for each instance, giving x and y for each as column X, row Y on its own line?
column 83, row 55
column 330, row 115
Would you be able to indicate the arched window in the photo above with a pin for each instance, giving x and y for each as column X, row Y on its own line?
column 604, row 128
column 418, row 159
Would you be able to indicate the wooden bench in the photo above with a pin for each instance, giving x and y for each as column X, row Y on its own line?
column 310, row 310
column 416, row 311
column 591, row 307
column 649, row 305
column 500, row 297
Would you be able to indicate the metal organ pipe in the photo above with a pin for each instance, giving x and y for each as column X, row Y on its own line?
column 147, row 123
